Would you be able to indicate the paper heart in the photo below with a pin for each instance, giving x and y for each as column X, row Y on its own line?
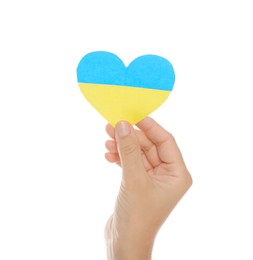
column 128, row 93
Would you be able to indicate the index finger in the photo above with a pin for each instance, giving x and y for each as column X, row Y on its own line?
column 153, row 130
column 166, row 145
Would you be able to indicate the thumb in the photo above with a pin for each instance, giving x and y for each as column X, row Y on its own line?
column 128, row 148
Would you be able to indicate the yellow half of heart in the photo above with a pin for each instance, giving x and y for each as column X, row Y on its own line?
column 117, row 103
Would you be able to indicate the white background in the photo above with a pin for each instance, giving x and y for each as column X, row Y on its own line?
column 57, row 190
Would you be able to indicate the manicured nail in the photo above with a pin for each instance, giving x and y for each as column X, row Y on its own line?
column 123, row 129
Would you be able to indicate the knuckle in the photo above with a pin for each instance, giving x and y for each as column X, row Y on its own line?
column 171, row 137
column 188, row 179
column 129, row 148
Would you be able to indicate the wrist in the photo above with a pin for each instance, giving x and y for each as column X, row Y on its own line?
column 132, row 247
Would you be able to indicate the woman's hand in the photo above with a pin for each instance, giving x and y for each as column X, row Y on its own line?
column 154, row 179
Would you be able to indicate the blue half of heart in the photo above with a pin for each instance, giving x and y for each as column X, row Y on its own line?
column 147, row 71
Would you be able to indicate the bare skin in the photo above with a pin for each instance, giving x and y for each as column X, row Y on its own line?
column 154, row 179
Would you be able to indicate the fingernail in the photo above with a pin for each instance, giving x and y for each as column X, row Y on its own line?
column 123, row 129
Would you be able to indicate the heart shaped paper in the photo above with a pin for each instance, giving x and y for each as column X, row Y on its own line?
column 128, row 93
